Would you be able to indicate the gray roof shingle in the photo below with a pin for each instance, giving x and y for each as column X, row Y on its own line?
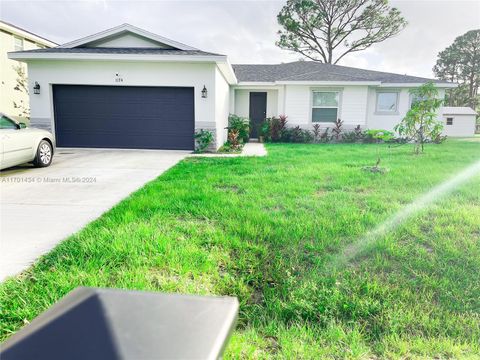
column 100, row 50
column 315, row 71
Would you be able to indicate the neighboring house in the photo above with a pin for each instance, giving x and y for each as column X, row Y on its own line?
column 128, row 88
column 459, row 121
column 13, row 38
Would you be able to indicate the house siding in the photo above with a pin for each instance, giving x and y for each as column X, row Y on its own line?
column 242, row 102
column 47, row 73
column 463, row 125
column 352, row 110
column 386, row 121
column 222, row 95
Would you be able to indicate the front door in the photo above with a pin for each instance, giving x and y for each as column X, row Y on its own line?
column 258, row 111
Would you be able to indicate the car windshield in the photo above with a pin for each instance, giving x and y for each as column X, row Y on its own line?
column 6, row 123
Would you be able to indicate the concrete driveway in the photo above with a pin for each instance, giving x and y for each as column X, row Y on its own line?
column 41, row 207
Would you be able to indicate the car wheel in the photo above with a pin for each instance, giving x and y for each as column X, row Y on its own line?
column 44, row 154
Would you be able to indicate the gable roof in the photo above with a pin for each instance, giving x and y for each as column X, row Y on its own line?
column 126, row 28
column 299, row 71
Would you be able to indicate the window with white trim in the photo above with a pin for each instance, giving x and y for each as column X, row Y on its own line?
column 387, row 102
column 449, row 120
column 415, row 98
column 325, row 106
column 18, row 43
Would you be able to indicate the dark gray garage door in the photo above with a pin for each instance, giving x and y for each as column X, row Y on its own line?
column 124, row 117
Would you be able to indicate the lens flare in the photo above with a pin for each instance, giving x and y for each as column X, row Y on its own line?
column 435, row 194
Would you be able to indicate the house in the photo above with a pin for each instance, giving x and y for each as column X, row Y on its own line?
column 128, row 88
column 459, row 121
column 13, row 38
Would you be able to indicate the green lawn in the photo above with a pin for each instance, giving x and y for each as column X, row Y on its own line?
column 267, row 231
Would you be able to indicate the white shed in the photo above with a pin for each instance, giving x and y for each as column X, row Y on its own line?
column 458, row 121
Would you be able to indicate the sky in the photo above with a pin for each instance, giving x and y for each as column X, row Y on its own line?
column 246, row 30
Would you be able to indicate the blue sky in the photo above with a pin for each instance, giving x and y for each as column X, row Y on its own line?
column 246, row 30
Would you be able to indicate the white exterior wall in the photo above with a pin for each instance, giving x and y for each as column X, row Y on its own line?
column 352, row 107
column 463, row 125
column 242, row 101
column 48, row 73
column 8, row 76
column 384, row 121
column 222, row 98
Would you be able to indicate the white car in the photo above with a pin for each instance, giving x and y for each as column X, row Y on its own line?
column 20, row 144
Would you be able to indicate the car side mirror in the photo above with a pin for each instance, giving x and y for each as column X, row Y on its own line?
column 22, row 125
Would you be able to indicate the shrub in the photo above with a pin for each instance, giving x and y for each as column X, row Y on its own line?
column 272, row 129
column 297, row 135
column 203, row 139
column 337, row 130
column 378, row 135
column 228, row 148
column 326, row 137
column 349, row 137
column 439, row 138
column 241, row 125
column 234, row 140
column 278, row 127
column 353, row 136
column 265, row 130
column 317, row 132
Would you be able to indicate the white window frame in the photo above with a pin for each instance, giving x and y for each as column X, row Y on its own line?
column 446, row 120
column 387, row 112
column 338, row 107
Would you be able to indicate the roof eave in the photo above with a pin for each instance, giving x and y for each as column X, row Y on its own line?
column 227, row 71
column 327, row 83
column 26, row 57
column 417, row 84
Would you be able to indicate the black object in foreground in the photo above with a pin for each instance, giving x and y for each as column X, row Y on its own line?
column 107, row 324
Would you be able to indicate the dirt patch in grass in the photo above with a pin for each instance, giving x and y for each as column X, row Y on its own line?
column 230, row 188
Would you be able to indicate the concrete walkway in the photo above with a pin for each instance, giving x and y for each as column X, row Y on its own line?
column 41, row 207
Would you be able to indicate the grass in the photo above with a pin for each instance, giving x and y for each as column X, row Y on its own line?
column 266, row 230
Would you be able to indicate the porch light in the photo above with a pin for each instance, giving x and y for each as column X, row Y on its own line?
column 36, row 88
column 204, row 92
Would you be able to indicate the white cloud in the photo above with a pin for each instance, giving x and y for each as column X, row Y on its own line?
column 246, row 31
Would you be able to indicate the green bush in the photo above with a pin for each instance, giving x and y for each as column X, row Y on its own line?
column 272, row 129
column 378, row 135
column 203, row 139
column 241, row 125
column 297, row 135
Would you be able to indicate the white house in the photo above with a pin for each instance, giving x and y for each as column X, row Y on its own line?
column 128, row 88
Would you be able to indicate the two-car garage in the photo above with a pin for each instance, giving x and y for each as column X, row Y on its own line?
column 138, row 117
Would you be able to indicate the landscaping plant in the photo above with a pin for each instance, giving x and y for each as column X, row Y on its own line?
column 203, row 139
column 317, row 132
column 420, row 125
column 272, row 129
column 337, row 130
column 241, row 125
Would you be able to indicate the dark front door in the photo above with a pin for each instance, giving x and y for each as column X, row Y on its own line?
column 124, row 117
column 258, row 111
